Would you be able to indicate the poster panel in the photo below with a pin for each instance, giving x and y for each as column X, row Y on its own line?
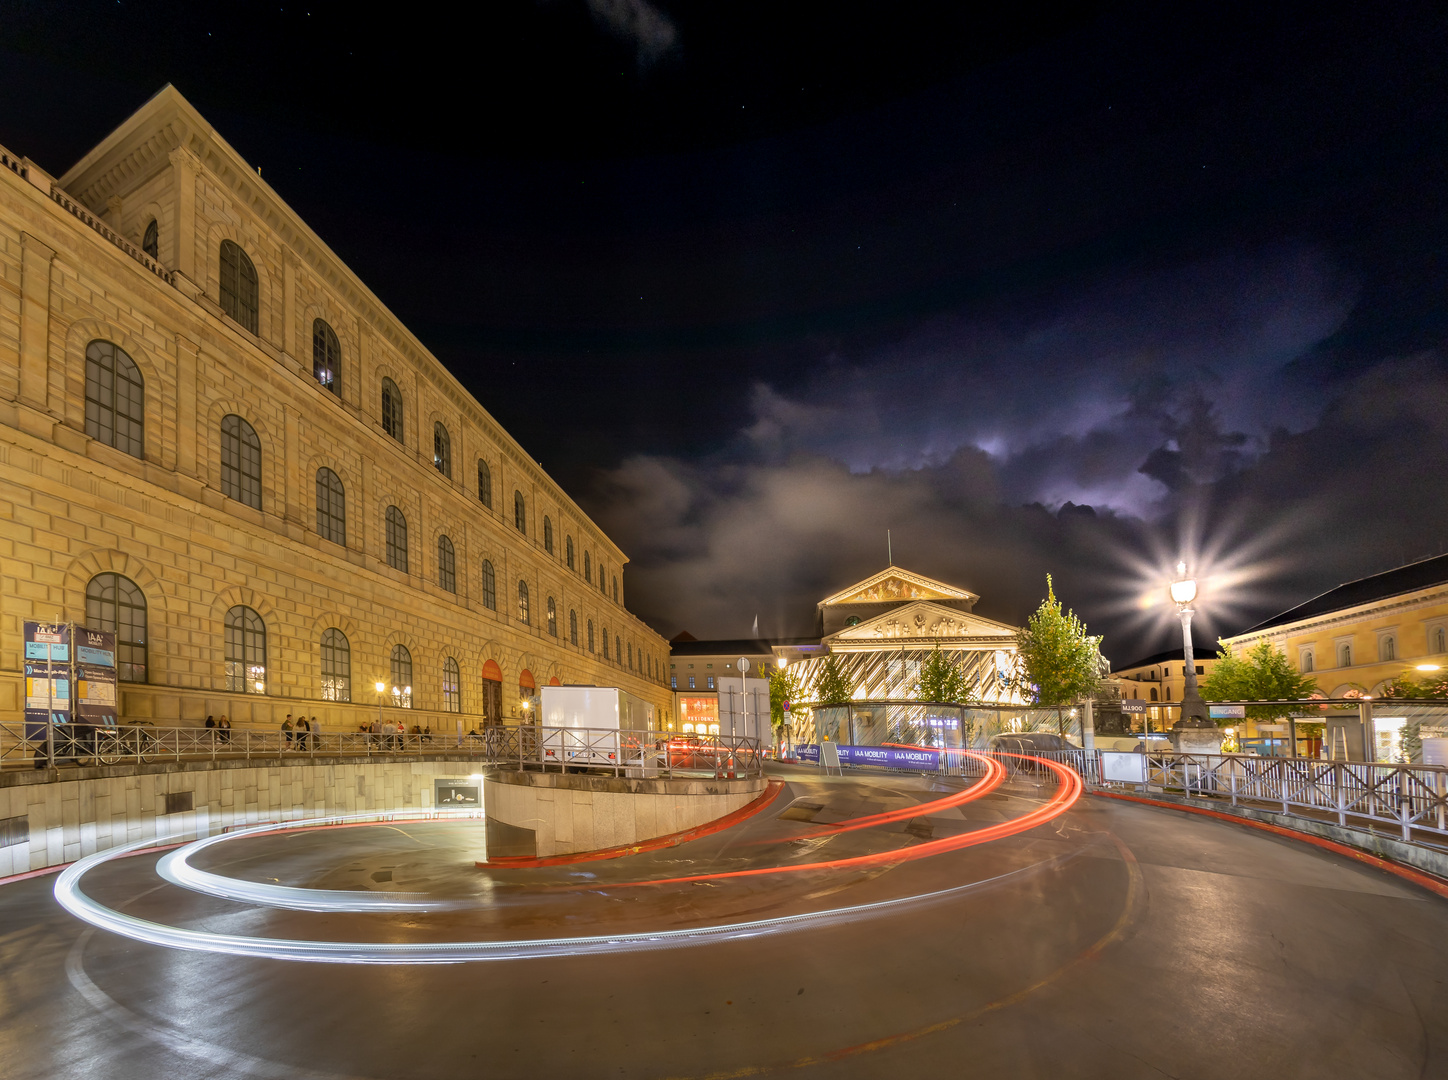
column 47, row 676
column 95, row 677
column 889, row 757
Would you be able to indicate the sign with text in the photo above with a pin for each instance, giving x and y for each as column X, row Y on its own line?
column 1133, row 706
column 47, row 676
column 1227, row 712
column 889, row 757
column 95, row 677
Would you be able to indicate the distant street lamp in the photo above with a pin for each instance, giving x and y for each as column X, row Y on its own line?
column 381, row 688
column 1195, row 731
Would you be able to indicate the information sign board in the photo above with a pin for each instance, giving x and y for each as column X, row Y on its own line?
column 1133, row 706
column 95, row 677
column 47, row 676
column 1227, row 712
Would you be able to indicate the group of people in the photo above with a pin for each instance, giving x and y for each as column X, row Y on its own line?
column 389, row 734
column 297, row 734
column 222, row 727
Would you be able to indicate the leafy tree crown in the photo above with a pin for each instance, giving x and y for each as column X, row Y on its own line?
column 942, row 680
column 1059, row 662
column 834, row 686
column 1261, row 674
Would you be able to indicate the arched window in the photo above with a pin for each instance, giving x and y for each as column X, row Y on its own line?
column 630, row 655
column 1344, row 655
column 485, row 484
column 245, row 651
column 568, row 552
column 331, row 507
column 151, row 241
column 602, row 582
column 552, row 618
column 238, row 286
column 391, row 409
column 572, row 627
column 590, row 635
column 117, row 605
column 336, row 666
column 1307, row 661
column 452, row 697
column 522, row 601
column 441, row 450
column 401, row 677
column 446, row 565
column 490, row 587
column 1440, row 640
column 615, row 588
column 587, row 568
column 603, row 631
column 520, row 513
column 547, row 534
column 326, row 357
column 396, row 539
column 115, row 399
column 1387, row 648
column 240, row 461
column 1153, row 693
column 617, row 649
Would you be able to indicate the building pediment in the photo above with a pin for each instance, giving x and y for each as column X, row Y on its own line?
column 924, row 622
column 894, row 585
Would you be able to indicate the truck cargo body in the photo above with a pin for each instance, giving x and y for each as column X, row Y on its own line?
column 589, row 725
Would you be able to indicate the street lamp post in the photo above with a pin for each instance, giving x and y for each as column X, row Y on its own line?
column 1195, row 732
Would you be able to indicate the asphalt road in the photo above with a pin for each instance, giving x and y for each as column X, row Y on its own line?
column 1117, row 940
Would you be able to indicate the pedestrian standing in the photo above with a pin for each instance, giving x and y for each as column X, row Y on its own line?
column 287, row 731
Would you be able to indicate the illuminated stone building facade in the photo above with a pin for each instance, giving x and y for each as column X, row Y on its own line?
column 883, row 628
column 217, row 441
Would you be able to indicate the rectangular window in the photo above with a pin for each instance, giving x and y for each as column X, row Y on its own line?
column 709, row 682
column 691, row 682
column 673, row 682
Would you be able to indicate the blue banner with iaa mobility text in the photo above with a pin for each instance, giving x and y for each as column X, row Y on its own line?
column 890, row 757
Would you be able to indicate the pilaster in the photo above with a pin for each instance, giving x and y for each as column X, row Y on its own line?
column 188, row 361
column 185, row 166
column 35, row 266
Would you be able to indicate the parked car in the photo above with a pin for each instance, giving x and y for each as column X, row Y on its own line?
column 1029, row 742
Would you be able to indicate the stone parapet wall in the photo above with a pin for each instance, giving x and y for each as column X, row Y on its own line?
column 569, row 812
column 46, row 822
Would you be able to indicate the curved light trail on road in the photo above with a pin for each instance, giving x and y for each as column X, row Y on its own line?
column 70, row 896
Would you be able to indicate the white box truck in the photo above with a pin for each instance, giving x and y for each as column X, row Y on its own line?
column 588, row 725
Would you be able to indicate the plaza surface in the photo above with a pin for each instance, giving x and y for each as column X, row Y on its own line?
column 1115, row 940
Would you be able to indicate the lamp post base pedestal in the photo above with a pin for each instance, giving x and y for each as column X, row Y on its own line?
column 1196, row 736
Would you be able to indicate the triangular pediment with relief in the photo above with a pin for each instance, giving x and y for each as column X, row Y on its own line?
column 921, row 621
column 894, row 585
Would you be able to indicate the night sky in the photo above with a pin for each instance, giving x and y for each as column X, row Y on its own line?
column 1069, row 289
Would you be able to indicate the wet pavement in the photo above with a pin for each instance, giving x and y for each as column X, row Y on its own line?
column 1117, row 940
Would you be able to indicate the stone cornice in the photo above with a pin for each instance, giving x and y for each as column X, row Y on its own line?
column 1436, row 594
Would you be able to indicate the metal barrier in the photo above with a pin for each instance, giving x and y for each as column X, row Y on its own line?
column 1409, row 800
column 622, row 753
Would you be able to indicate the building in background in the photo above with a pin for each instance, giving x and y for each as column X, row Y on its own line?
column 218, row 443
column 1161, row 679
column 1355, row 638
column 696, row 673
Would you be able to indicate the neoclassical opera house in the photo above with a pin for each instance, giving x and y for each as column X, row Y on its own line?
column 883, row 628
column 218, row 443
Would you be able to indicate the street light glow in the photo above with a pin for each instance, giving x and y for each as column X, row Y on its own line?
column 1184, row 592
column 381, row 687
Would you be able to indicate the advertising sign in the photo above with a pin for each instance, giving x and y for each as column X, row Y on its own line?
column 95, row 677
column 889, row 757
column 47, row 676
column 457, row 794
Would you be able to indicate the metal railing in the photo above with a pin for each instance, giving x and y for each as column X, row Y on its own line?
column 1410, row 802
column 621, row 753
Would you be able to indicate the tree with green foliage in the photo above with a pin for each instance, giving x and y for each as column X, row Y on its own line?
column 1058, row 661
column 1262, row 674
column 834, row 686
column 783, row 686
column 942, row 681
